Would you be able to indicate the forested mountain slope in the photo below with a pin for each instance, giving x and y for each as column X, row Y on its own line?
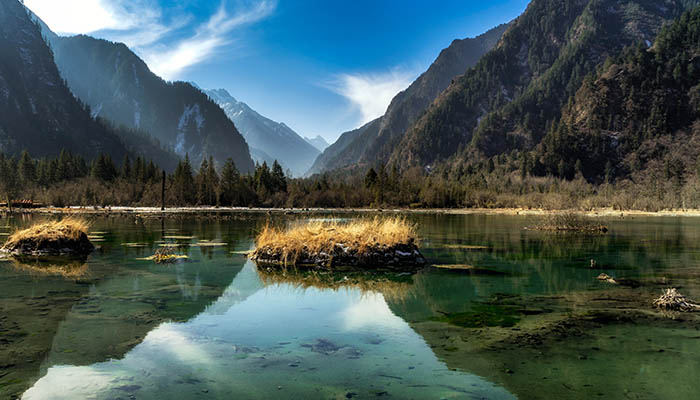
column 640, row 111
column 378, row 139
column 516, row 92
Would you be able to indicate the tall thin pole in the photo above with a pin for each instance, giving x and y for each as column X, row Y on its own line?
column 162, row 194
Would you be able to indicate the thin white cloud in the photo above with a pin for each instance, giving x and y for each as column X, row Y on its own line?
column 170, row 62
column 141, row 26
column 371, row 94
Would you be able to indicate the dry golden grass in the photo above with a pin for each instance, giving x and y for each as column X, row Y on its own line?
column 67, row 229
column 319, row 236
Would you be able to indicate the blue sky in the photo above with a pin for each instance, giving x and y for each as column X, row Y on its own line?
column 321, row 66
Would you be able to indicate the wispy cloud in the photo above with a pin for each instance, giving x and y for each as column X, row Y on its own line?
column 169, row 62
column 140, row 24
column 370, row 94
column 88, row 16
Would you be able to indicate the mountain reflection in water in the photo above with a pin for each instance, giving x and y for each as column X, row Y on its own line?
column 274, row 341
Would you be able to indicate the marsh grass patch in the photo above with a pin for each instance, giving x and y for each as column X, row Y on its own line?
column 66, row 236
column 376, row 242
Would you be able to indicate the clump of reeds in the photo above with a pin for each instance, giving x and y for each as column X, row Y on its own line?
column 67, row 236
column 323, row 235
column 571, row 222
column 672, row 300
column 316, row 241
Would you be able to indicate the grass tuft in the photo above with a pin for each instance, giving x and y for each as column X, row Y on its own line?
column 51, row 237
column 571, row 222
column 359, row 237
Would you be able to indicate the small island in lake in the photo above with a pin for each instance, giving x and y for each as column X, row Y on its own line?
column 54, row 238
column 388, row 243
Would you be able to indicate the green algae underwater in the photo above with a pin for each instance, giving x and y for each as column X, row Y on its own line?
column 510, row 313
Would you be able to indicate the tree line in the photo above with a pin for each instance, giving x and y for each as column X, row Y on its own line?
column 505, row 181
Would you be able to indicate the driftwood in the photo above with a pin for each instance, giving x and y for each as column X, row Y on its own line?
column 672, row 300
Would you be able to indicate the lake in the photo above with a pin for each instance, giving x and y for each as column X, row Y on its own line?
column 511, row 313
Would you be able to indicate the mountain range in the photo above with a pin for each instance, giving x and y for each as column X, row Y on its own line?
column 524, row 95
column 601, row 88
column 268, row 140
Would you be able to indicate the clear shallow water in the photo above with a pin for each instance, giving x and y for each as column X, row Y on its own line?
column 214, row 327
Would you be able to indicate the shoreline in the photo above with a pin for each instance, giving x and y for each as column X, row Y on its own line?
column 154, row 211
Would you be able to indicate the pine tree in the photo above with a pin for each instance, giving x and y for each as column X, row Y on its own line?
column 183, row 182
column 279, row 181
column 27, row 169
column 213, row 183
column 230, row 180
column 371, row 178
column 201, row 183
column 103, row 168
column 127, row 171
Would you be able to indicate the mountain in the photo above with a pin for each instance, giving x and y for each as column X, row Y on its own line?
column 516, row 92
column 118, row 86
column 268, row 139
column 38, row 112
column 318, row 142
column 639, row 112
column 376, row 140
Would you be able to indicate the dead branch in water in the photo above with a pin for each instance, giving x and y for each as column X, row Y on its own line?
column 672, row 300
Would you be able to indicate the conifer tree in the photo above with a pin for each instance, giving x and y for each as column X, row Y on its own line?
column 230, row 180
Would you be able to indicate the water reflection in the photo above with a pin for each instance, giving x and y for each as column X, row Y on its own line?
column 261, row 341
column 72, row 269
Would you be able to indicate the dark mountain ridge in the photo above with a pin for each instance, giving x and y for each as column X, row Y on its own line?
column 375, row 141
column 118, row 86
column 38, row 112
